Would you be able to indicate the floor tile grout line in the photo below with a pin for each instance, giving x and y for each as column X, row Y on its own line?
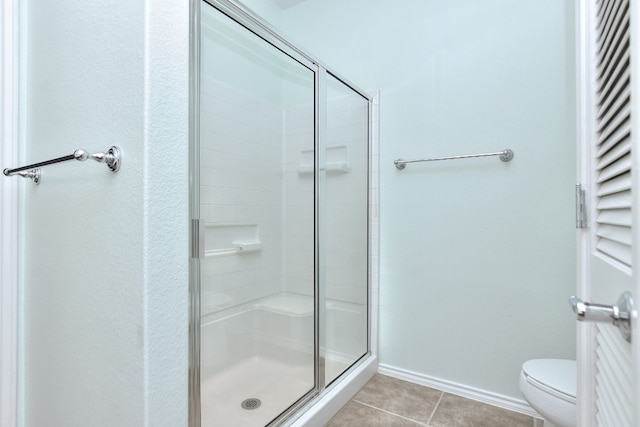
column 469, row 405
column 435, row 408
column 389, row 412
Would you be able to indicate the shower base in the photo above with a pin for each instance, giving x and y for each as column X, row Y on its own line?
column 262, row 350
column 276, row 384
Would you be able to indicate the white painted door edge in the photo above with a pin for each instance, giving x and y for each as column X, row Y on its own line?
column 9, row 214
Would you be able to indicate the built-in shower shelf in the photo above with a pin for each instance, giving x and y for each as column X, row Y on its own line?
column 231, row 239
column 287, row 304
column 336, row 161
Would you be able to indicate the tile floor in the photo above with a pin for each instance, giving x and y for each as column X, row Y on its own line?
column 388, row 402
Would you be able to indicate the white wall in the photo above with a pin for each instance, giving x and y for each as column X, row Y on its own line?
column 477, row 256
column 105, row 280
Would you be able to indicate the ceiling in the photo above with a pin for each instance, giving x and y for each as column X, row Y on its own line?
column 286, row 4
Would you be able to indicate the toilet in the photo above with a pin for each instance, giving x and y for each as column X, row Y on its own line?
column 549, row 385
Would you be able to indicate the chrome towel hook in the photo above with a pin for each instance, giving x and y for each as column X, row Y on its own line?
column 112, row 158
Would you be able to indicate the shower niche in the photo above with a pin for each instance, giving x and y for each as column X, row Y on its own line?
column 280, row 187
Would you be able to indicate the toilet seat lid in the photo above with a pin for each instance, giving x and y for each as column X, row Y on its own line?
column 558, row 374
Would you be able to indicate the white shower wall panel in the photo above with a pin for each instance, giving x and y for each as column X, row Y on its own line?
column 241, row 185
column 346, row 193
column 257, row 163
column 299, row 203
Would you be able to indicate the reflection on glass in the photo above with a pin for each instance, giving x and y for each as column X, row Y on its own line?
column 257, row 202
column 346, row 183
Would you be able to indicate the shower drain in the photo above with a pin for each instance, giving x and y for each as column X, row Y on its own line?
column 251, row 403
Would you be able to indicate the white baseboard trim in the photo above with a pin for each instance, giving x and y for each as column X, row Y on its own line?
column 494, row 399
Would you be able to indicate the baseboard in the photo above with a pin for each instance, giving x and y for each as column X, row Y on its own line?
column 494, row 399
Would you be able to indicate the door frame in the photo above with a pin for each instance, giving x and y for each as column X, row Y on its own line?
column 585, row 87
column 9, row 213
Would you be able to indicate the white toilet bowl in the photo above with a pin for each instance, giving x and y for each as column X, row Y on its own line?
column 549, row 385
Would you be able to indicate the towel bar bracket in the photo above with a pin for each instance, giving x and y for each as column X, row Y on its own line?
column 33, row 174
column 506, row 156
column 111, row 158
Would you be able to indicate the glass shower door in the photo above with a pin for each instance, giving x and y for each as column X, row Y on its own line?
column 257, row 204
column 346, row 184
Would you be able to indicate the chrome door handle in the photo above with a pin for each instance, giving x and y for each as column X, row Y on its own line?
column 618, row 315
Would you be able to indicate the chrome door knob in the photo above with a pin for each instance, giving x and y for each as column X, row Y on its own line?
column 618, row 314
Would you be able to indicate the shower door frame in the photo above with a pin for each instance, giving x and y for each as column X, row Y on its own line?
column 254, row 24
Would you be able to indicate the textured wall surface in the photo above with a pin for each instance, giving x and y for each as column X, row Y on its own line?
column 105, row 255
column 477, row 256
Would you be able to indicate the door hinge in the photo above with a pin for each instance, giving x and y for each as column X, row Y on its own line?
column 581, row 207
column 197, row 238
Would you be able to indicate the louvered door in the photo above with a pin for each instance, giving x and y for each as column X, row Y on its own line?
column 607, row 371
column 613, row 128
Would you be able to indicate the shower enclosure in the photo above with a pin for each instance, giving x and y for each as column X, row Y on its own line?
column 280, row 201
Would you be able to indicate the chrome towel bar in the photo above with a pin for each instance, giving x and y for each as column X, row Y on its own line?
column 505, row 155
column 112, row 158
